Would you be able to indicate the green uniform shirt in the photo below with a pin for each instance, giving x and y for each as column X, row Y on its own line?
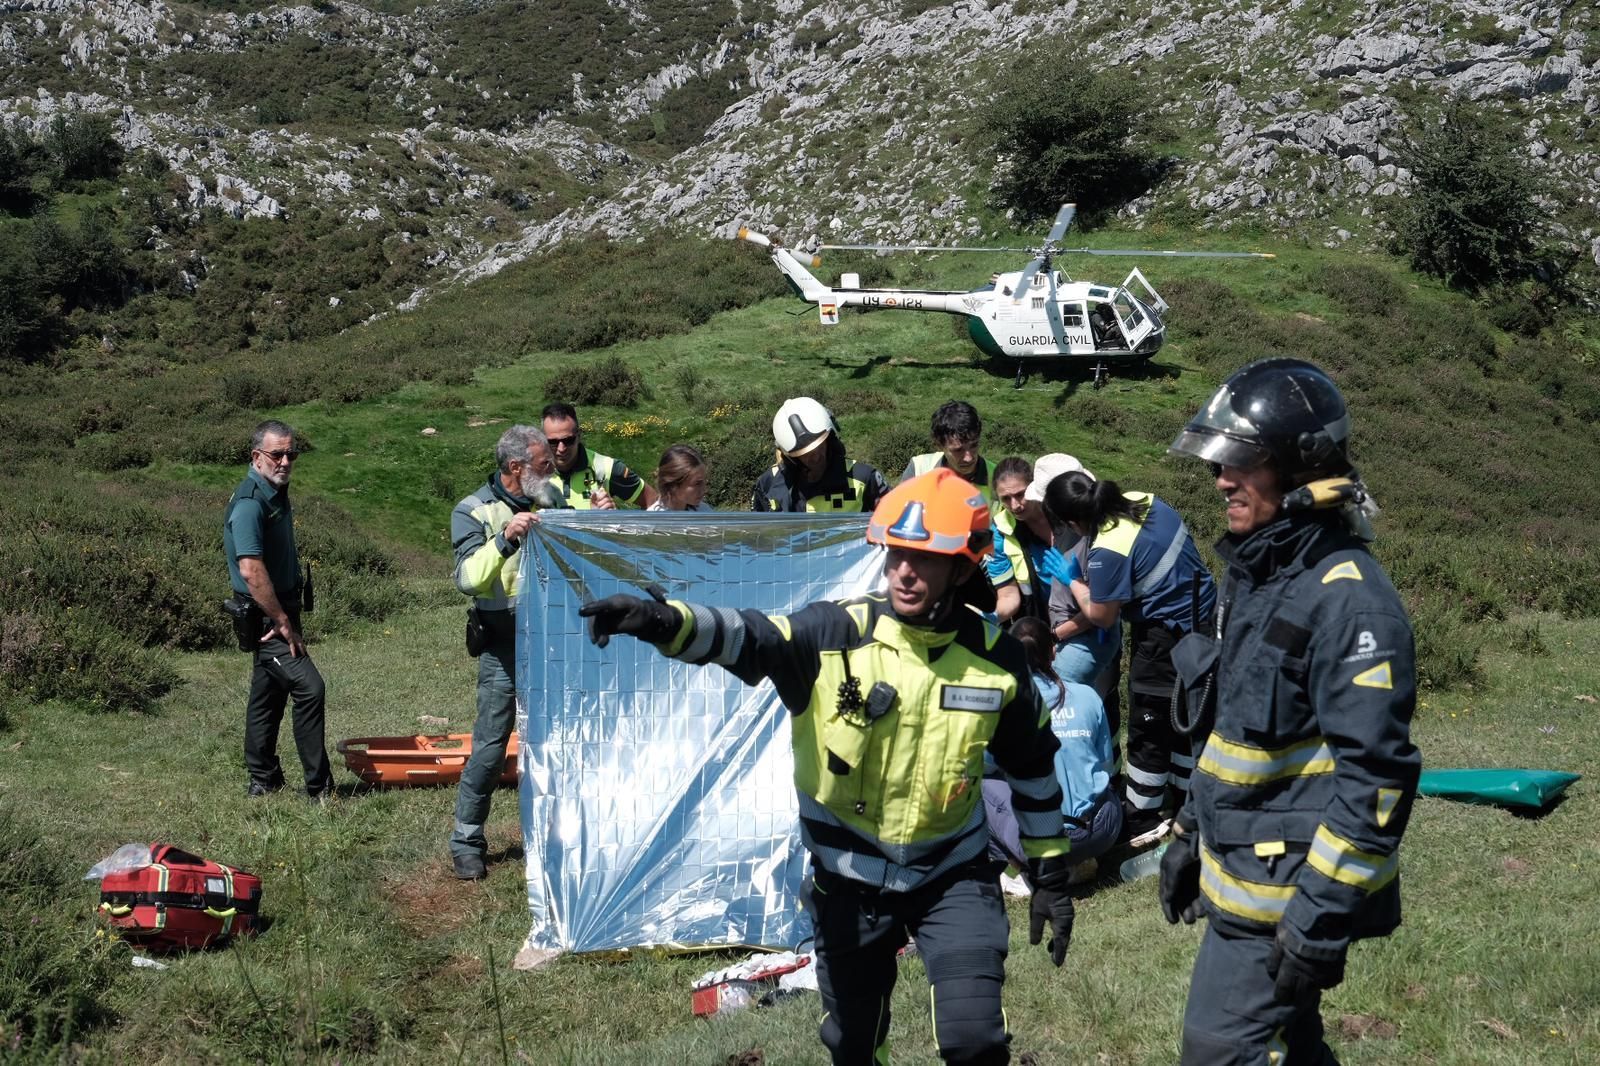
column 259, row 524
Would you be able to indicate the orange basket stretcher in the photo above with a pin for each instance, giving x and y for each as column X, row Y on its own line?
column 391, row 762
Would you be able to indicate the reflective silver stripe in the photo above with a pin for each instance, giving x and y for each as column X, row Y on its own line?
column 892, row 875
column 1039, row 788
column 1185, row 761
column 705, row 631
column 1247, row 899
column 1143, row 802
column 1145, row 777
column 1041, row 825
column 1169, row 559
column 1243, row 764
column 733, row 633
column 1339, row 860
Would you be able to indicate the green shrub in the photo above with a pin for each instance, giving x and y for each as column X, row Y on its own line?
column 83, row 146
column 1001, row 439
column 55, row 973
column 1069, row 132
column 738, row 462
column 892, row 447
column 687, row 380
column 608, row 381
column 1473, row 211
column 1359, row 290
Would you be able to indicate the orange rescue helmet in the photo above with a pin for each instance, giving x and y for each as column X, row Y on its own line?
column 936, row 512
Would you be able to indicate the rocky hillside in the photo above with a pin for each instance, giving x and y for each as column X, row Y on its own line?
column 484, row 130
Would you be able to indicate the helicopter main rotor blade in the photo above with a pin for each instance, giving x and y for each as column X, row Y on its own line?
column 913, row 248
column 1168, row 254
column 1026, row 279
column 1063, row 220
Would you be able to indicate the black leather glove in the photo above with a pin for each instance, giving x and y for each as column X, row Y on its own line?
column 1052, row 904
column 1180, row 879
column 652, row 620
column 1297, row 976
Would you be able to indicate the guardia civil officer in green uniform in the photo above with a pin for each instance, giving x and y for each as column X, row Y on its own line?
column 1289, row 841
column 487, row 531
column 958, row 431
column 893, row 701
column 587, row 479
column 264, row 567
column 813, row 472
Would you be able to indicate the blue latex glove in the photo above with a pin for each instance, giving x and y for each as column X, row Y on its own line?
column 1072, row 572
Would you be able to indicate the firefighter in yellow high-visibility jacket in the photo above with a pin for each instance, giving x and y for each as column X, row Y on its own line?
column 893, row 700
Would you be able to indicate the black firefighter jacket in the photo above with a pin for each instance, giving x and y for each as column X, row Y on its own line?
column 1305, row 783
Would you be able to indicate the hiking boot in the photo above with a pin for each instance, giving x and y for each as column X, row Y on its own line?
column 255, row 790
column 469, row 867
column 321, row 795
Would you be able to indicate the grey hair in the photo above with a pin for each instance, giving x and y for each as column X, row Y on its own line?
column 270, row 428
column 516, row 442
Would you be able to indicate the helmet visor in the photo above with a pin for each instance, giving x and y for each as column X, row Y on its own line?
column 1222, row 433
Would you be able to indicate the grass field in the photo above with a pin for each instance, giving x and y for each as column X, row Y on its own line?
column 375, row 953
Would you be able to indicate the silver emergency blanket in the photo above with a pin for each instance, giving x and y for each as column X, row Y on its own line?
column 657, row 798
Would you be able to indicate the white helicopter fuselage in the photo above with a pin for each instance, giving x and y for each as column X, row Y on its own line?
column 1056, row 317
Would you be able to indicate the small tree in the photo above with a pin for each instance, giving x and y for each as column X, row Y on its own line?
column 1070, row 133
column 83, row 146
column 1472, row 216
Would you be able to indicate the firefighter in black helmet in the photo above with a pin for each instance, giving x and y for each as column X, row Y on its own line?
column 1289, row 840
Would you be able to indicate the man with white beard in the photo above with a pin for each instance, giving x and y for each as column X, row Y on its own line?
column 486, row 531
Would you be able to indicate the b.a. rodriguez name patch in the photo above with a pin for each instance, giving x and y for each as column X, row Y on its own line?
column 970, row 698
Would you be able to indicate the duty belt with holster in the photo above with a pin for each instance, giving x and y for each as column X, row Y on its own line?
column 250, row 622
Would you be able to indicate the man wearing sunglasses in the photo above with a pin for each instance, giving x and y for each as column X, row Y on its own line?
column 258, row 538
column 589, row 480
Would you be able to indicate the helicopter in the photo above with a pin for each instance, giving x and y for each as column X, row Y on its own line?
column 1036, row 314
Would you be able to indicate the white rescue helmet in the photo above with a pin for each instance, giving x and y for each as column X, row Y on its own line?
column 800, row 425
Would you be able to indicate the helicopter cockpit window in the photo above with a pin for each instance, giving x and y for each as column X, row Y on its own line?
column 1099, row 293
column 1128, row 310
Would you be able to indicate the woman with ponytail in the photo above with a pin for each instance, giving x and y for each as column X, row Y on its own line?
column 1140, row 563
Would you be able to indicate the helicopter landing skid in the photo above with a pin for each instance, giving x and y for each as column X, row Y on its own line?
column 1022, row 375
column 1102, row 374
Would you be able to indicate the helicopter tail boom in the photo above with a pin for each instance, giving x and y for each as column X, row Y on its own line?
column 804, row 283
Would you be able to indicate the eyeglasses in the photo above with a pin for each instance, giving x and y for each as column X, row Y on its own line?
column 562, row 442
column 280, row 454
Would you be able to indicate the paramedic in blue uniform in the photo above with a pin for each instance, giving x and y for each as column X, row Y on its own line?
column 487, row 531
column 893, row 701
column 1289, row 840
column 1141, row 563
column 264, row 567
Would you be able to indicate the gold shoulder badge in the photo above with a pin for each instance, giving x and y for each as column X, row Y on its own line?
column 1378, row 677
column 1345, row 570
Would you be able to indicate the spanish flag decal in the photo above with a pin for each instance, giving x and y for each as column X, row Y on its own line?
column 1388, row 800
column 1345, row 570
column 1378, row 677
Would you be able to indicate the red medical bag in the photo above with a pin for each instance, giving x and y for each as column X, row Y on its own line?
column 180, row 901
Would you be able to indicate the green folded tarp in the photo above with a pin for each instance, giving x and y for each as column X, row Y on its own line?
column 1503, row 788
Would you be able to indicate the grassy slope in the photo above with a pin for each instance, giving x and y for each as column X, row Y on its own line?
column 375, row 949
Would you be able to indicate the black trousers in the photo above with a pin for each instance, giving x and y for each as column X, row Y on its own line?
column 1232, row 1018
column 1152, row 741
column 962, row 935
column 274, row 679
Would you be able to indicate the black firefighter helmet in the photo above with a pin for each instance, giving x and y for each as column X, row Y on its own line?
column 1283, row 411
